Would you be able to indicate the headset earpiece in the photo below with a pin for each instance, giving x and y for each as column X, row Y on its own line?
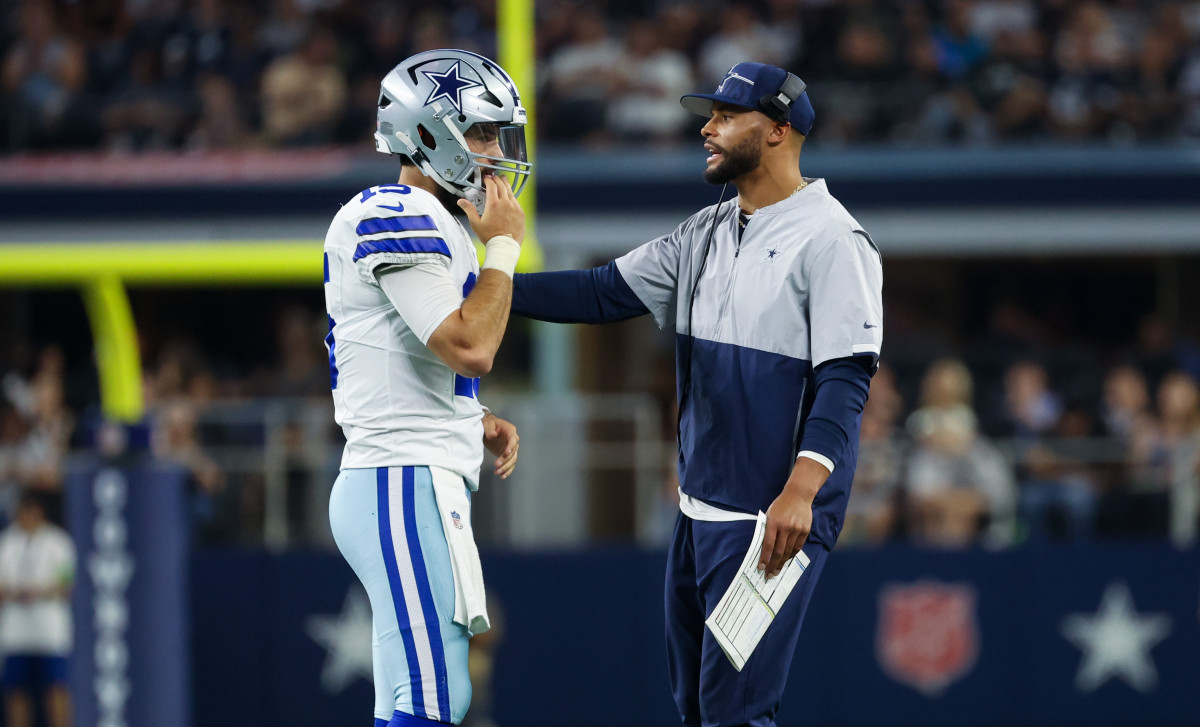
column 779, row 105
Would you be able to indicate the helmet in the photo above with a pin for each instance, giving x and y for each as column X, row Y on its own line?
column 432, row 102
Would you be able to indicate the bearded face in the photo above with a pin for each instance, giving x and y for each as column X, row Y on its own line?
column 742, row 158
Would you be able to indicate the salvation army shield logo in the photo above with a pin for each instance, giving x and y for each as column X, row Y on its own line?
column 928, row 634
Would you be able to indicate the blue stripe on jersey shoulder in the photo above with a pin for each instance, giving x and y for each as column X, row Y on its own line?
column 375, row 225
column 402, row 245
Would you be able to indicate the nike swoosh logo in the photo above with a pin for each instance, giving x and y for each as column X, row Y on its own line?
column 869, row 325
column 396, row 208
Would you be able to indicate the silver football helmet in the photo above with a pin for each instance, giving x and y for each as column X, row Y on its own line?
column 433, row 102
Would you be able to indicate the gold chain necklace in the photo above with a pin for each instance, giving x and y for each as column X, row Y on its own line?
column 802, row 185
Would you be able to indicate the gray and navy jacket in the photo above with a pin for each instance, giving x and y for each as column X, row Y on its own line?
column 776, row 348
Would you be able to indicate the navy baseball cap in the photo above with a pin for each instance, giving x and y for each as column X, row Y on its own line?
column 754, row 86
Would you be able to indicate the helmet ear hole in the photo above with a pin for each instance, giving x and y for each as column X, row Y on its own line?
column 426, row 138
column 384, row 101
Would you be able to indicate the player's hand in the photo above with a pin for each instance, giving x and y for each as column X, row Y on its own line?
column 501, row 439
column 789, row 520
column 502, row 215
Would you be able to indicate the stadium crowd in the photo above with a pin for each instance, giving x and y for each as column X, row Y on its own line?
column 1023, row 444
column 218, row 74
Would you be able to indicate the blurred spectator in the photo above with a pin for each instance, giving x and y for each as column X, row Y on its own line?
column 959, row 49
column 35, row 428
column 1059, row 486
column 1179, row 412
column 1050, row 448
column 990, row 18
column 647, row 85
column 1159, row 349
column 179, row 368
column 1189, row 91
column 303, row 366
column 1094, row 63
column 52, row 423
column 741, row 35
column 1030, row 407
column 146, row 111
column 860, row 101
column 678, row 27
column 871, row 512
column 286, row 26
column 43, row 71
column 1142, row 506
column 579, row 78
column 386, row 40
column 430, row 32
column 1126, row 403
column 245, row 60
column 1159, row 68
column 35, row 431
column 220, row 125
column 1008, row 85
column 13, row 430
column 108, row 41
column 37, row 571
column 958, row 485
column 198, row 43
column 304, row 94
column 175, row 441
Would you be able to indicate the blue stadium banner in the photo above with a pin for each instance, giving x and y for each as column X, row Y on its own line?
column 1084, row 635
column 131, row 665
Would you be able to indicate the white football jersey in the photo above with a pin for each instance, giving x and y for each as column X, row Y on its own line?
column 396, row 401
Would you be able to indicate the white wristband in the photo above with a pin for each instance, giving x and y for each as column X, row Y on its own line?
column 502, row 254
column 818, row 458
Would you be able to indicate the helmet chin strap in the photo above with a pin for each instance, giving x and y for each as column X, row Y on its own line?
column 474, row 196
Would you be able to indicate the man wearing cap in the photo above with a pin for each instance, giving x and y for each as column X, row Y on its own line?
column 775, row 301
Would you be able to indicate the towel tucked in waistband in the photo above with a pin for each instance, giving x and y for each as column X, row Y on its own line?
column 454, row 505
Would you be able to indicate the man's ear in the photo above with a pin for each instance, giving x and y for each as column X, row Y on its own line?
column 779, row 133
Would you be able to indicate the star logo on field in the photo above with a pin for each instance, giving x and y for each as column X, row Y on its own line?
column 1116, row 641
column 449, row 85
column 346, row 639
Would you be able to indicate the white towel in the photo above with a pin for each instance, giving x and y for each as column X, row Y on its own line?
column 454, row 505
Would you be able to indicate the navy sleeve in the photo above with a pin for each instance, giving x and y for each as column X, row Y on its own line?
column 599, row 295
column 841, row 392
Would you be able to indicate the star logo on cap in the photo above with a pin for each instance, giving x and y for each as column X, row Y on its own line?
column 449, row 85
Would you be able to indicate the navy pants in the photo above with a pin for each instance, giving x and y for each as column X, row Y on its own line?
column 708, row 691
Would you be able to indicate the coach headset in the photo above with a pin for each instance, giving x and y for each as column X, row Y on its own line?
column 777, row 107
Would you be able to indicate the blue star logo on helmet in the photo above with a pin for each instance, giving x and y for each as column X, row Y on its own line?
column 449, row 85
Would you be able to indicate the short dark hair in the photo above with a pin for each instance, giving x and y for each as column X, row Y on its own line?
column 31, row 498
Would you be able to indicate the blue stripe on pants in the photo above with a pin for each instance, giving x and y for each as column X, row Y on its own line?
column 393, row 573
column 361, row 502
column 426, row 593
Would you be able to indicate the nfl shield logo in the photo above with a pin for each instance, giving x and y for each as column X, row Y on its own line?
column 927, row 635
column 454, row 517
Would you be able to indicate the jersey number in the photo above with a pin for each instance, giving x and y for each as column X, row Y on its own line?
column 384, row 189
